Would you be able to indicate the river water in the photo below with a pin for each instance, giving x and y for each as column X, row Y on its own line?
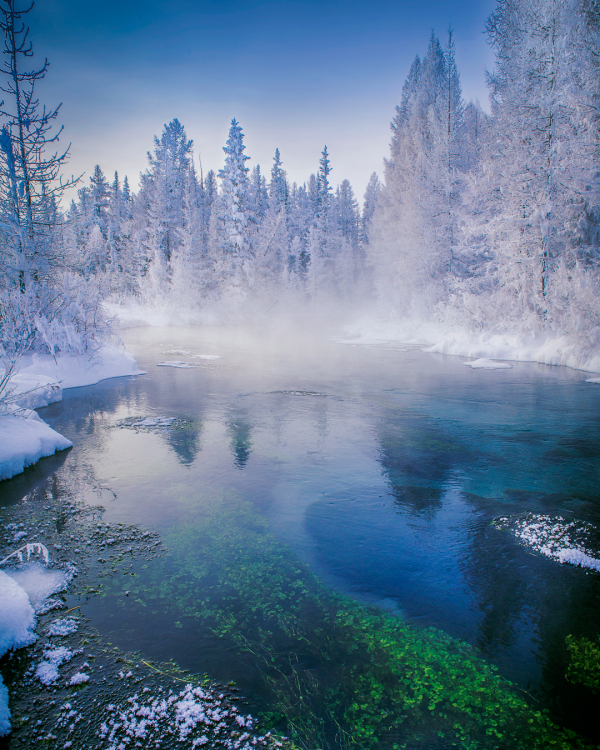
column 380, row 467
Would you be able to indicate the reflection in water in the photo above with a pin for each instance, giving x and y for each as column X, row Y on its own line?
column 240, row 431
column 12, row 490
column 382, row 469
column 184, row 439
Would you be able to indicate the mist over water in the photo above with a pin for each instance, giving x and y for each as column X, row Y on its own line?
column 381, row 467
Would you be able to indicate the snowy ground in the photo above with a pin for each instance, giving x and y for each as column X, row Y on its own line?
column 70, row 689
column 24, row 437
column 545, row 347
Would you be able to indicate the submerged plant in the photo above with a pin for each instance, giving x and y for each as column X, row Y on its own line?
column 341, row 674
column 584, row 663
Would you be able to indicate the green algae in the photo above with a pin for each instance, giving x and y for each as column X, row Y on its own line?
column 336, row 673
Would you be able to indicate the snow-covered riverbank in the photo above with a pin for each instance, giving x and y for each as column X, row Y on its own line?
column 68, row 687
column 24, row 436
column 546, row 347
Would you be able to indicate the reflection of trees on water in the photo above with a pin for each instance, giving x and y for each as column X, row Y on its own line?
column 88, row 412
column 13, row 490
column 240, row 431
column 417, row 458
column 185, row 441
column 496, row 570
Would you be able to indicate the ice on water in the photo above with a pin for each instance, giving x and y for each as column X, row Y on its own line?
column 488, row 364
column 175, row 363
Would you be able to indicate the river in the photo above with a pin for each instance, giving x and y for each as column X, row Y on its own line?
column 380, row 467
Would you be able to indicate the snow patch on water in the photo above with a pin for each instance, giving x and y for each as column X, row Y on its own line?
column 47, row 670
column 144, row 717
column 63, row 627
column 488, row 364
column 564, row 541
column 176, row 363
column 151, row 424
column 79, row 678
column 206, row 356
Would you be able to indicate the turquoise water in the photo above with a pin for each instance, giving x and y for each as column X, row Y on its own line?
column 381, row 467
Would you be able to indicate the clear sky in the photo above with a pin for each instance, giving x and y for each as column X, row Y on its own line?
column 297, row 76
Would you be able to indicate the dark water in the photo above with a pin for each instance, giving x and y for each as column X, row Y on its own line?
column 381, row 467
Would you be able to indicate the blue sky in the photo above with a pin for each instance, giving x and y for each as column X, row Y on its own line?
column 297, row 75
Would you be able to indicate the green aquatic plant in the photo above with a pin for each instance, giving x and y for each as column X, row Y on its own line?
column 584, row 662
column 339, row 673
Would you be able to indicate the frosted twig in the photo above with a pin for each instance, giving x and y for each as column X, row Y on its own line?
column 29, row 549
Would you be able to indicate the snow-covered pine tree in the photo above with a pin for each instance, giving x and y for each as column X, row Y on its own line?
column 230, row 224
column 274, row 264
column 370, row 199
column 187, row 259
column 161, row 200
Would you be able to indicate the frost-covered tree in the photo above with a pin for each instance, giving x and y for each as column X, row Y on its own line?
column 230, row 222
column 545, row 206
column 161, row 196
column 43, row 302
column 414, row 223
column 278, row 187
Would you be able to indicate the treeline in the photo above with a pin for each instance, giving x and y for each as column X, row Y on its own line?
column 493, row 221
column 484, row 221
column 231, row 241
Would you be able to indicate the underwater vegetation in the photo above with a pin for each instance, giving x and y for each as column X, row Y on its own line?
column 337, row 673
column 584, row 664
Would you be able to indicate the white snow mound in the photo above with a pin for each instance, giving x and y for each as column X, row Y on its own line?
column 17, row 620
column 24, row 441
column 39, row 582
column 32, row 391
column 488, row 364
column 74, row 371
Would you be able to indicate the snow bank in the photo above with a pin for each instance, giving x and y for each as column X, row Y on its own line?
column 32, row 391
column 24, row 441
column 17, row 620
column 546, row 347
column 17, row 616
column 72, row 372
column 24, row 437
